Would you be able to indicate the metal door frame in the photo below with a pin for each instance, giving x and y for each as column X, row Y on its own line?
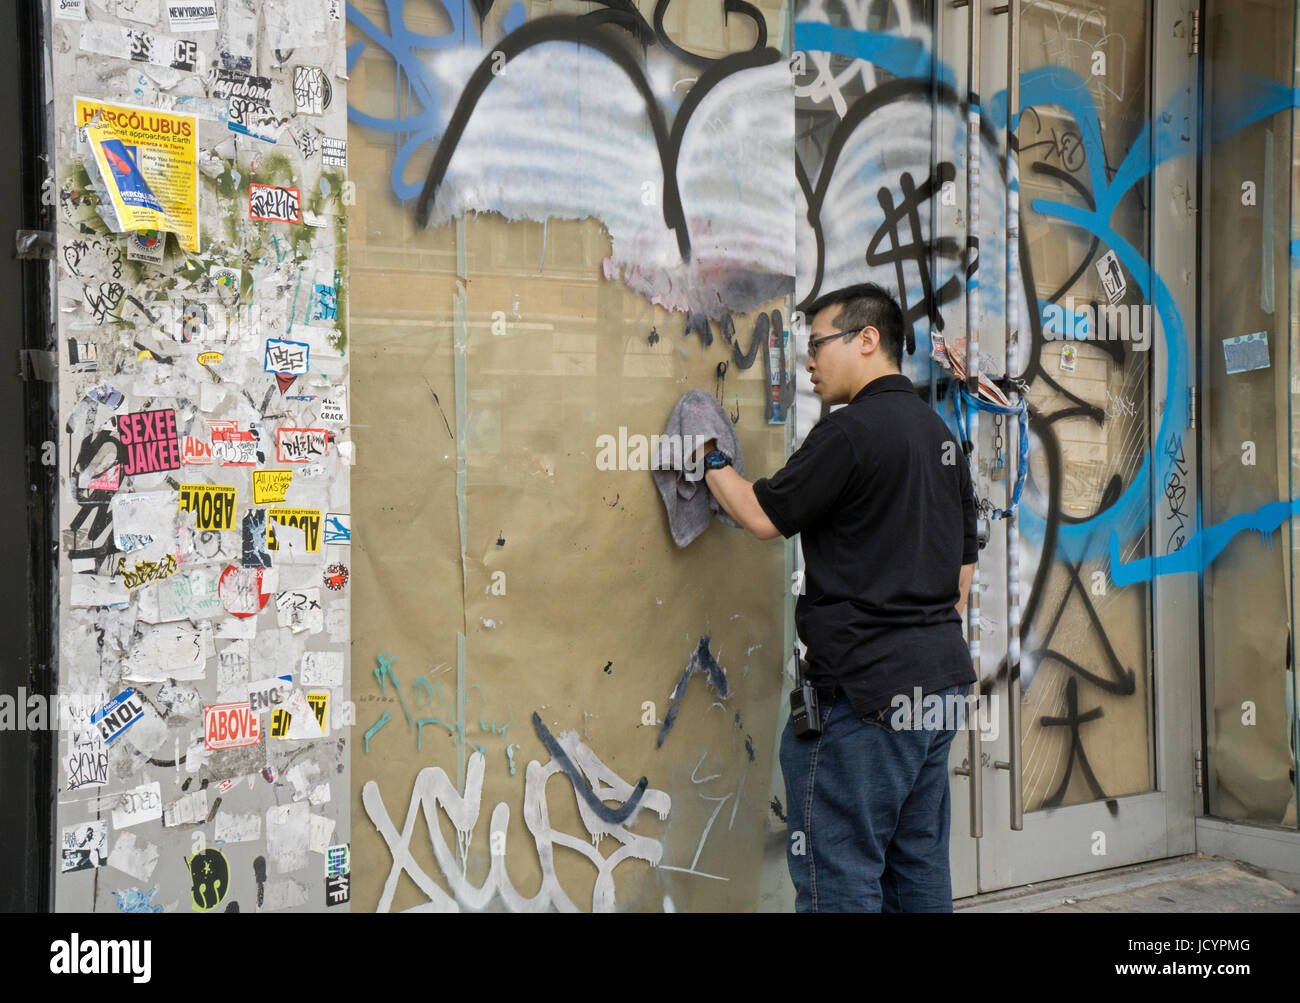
column 1058, row 842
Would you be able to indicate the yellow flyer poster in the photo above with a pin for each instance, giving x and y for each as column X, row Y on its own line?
column 147, row 160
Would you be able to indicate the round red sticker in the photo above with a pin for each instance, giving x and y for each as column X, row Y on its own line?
column 240, row 590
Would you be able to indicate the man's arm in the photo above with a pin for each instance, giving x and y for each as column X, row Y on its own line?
column 963, row 586
column 736, row 495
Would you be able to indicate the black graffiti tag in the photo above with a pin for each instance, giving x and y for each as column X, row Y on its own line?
column 1176, row 492
column 915, row 249
column 272, row 203
column 103, row 298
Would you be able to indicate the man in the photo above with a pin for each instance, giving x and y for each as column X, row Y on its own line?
column 881, row 495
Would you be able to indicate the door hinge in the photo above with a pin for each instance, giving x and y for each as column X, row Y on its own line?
column 1193, row 402
column 1196, row 32
column 1199, row 773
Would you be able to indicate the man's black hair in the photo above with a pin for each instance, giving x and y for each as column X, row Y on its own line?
column 867, row 305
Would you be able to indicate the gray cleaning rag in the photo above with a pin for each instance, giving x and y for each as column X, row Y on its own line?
column 689, row 503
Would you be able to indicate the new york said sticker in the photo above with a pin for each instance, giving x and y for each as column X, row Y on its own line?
column 213, row 505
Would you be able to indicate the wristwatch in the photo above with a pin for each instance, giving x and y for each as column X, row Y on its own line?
column 716, row 459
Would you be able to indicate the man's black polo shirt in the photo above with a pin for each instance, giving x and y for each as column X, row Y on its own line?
column 881, row 493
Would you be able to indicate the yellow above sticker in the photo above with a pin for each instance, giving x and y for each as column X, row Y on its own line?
column 306, row 519
column 213, row 505
column 270, row 485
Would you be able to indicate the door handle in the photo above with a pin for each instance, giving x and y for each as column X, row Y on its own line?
column 975, row 773
column 1012, row 314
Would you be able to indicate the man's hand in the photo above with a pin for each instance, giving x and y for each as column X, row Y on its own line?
column 963, row 586
column 736, row 496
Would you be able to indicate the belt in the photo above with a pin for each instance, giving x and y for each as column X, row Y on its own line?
column 834, row 691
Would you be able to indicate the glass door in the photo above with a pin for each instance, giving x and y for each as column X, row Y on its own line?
column 1091, row 766
column 1248, row 402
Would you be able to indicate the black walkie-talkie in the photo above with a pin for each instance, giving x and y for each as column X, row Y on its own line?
column 804, row 709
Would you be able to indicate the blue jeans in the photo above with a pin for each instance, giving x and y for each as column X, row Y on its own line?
column 868, row 813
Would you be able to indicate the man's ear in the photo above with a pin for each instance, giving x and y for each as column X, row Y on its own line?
column 872, row 336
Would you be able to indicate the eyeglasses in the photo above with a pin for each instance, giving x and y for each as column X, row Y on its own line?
column 815, row 343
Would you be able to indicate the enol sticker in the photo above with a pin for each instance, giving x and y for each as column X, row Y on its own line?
column 118, row 714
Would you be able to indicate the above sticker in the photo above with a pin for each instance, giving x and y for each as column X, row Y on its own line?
column 195, row 450
column 229, row 726
column 213, row 505
column 306, row 519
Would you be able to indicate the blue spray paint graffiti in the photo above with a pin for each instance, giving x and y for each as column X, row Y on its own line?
column 1238, row 103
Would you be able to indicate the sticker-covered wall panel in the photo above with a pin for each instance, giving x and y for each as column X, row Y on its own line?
column 204, row 502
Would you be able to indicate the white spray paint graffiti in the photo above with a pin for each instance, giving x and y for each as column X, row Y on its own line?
column 857, row 14
column 433, row 788
column 564, row 134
